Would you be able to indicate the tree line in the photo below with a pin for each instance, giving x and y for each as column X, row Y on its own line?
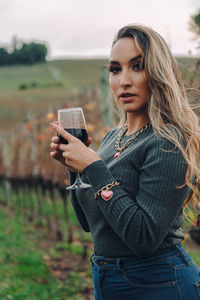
column 194, row 25
column 23, row 53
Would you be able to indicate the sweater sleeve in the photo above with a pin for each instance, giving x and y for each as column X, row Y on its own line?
column 77, row 208
column 143, row 223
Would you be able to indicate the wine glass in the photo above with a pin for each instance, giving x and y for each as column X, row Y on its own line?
column 73, row 121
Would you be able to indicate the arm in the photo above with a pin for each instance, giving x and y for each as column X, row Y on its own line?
column 143, row 223
column 77, row 208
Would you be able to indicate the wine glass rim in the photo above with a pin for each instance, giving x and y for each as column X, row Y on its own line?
column 70, row 109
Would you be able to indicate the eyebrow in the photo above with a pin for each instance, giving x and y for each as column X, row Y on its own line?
column 130, row 61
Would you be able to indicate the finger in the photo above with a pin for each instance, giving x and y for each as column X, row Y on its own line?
column 53, row 153
column 66, row 135
column 64, row 154
column 54, row 146
column 55, row 122
column 63, row 147
column 88, row 142
column 55, row 139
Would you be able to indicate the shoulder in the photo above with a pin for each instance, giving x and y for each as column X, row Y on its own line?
column 152, row 139
column 149, row 140
column 159, row 148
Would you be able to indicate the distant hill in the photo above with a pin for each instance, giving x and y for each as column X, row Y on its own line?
column 66, row 73
column 39, row 87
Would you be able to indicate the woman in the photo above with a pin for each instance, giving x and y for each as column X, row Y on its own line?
column 141, row 176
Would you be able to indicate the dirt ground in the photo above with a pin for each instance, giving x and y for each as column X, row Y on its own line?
column 66, row 263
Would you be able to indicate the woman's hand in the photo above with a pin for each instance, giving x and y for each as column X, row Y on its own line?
column 75, row 155
column 56, row 153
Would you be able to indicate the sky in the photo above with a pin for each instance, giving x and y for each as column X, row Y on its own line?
column 85, row 28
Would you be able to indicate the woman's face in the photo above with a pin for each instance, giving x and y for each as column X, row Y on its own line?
column 127, row 77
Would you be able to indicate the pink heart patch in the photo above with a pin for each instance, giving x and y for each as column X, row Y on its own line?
column 106, row 195
column 116, row 154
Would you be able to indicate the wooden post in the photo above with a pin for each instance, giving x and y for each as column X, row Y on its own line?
column 8, row 193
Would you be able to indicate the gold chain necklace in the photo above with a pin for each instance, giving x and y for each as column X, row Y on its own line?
column 127, row 143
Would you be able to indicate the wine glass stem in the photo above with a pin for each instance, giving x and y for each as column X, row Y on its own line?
column 78, row 178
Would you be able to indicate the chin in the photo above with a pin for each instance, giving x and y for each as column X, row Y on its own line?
column 130, row 108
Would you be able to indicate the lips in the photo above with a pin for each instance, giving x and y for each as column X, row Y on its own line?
column 127, row 97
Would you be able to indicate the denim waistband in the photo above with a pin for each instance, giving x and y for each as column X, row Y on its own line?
column 159, row 254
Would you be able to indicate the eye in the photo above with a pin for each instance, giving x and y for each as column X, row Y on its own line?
column 138, row 66
column 114, row 69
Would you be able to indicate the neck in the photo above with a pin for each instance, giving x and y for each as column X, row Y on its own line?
column 136, row 122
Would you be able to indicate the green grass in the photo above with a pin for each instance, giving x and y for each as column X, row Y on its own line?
column 22, row 268
column 195, row 254
column 62, row 73
column 24, row 276
column 12, row 77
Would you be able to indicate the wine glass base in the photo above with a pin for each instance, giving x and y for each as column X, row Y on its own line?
column 76, row 186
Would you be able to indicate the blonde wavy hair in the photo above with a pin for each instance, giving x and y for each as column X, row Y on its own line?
column 169, row 110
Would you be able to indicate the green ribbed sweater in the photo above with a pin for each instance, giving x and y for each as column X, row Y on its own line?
column 145, row 213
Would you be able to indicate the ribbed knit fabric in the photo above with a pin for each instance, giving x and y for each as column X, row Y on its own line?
column 145, row 213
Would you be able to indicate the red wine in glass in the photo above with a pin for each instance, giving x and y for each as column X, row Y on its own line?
column 73, row 121
column 80, row 133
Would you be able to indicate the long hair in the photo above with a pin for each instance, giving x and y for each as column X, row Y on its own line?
column 168, row 107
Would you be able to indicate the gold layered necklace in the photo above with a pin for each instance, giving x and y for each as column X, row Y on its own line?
column 129, row 141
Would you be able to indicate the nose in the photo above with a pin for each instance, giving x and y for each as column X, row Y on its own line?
column 125, row 78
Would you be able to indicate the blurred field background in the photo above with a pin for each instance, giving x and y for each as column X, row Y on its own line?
column 46, row 86
column 38, row 228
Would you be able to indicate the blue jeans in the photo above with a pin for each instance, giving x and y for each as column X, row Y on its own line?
column 169, row 274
